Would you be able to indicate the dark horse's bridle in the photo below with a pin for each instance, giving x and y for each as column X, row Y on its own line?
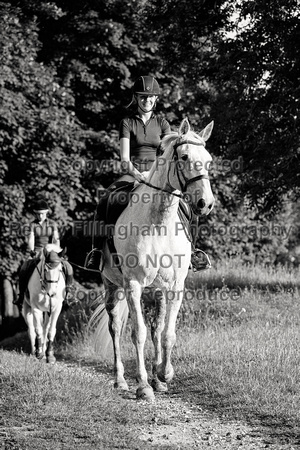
column 186, row 181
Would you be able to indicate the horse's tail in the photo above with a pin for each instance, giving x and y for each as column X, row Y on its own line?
column 98, row 329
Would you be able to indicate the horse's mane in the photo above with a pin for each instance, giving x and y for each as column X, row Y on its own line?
column 166, row 145
column 167, row 140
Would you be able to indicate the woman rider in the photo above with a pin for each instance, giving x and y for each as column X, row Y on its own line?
column 140, row 135
column 43, row 231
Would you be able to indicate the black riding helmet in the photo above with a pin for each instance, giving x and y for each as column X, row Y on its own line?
column 40, row 206
column 146, row 85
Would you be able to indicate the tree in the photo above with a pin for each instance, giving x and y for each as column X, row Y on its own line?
column 38, row 130
column 265, row 62
column 239, row 59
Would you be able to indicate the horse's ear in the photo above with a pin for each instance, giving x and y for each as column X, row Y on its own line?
column 206, row 132
column 184, row 127
column 63, row 252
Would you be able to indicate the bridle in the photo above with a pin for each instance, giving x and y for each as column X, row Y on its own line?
column 48, row 268
column 186, row 181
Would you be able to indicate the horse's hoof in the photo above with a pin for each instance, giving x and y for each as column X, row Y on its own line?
column 121, row 386
column 145, row 393
column 164, row 376
column 50, row 359
column 40, row 355
column 159, row 386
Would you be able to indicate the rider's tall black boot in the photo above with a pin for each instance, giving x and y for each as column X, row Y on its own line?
column 199, row 259
column 94, row 259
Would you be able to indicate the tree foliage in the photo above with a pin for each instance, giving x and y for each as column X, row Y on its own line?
column 265, row 59
column 244, row 55
column 38, row 128
column 67, row 68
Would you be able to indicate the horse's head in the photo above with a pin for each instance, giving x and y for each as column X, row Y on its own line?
column 191, row 163
column 52, row 256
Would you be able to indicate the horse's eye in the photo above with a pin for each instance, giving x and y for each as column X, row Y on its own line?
column 184, row 157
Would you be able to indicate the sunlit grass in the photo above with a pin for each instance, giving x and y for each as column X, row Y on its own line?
column 63, row 406
column 233, row 273
column 251, row 364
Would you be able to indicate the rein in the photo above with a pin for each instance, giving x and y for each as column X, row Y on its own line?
column 161, row 189
column 187, row 181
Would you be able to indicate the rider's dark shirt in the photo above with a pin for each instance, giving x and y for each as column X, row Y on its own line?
column 43, row 234
column 144, row 138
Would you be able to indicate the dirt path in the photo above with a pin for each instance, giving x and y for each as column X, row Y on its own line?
column 177, row 424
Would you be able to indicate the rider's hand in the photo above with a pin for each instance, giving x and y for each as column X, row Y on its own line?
column 33, row 254
column 139, row 176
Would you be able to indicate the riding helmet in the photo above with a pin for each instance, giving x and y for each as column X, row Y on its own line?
column 146, row 85
column 41, row 206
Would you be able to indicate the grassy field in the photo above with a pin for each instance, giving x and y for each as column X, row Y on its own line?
column 238, row 339
column 237, row 355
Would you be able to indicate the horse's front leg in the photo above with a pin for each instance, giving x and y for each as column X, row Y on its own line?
column 157, row 326
column 165, row 371
column 115, row 324
column 50, row 332
column 133, row 292
column 28, row 317
column 38, row 327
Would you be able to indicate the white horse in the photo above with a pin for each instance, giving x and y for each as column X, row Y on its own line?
column 43, row 302
column 155, row 253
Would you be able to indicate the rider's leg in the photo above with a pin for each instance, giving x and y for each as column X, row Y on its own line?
column 24, row 276
column 122, row 187
column 68, row 271
column 199, row 259
column 95, row 257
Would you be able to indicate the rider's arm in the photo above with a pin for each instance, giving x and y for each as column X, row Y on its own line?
column 55, row 235
column 125, row 159
column 56, row 238
column 31, row 240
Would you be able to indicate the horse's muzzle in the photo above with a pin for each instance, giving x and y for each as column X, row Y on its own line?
column 202, row 208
